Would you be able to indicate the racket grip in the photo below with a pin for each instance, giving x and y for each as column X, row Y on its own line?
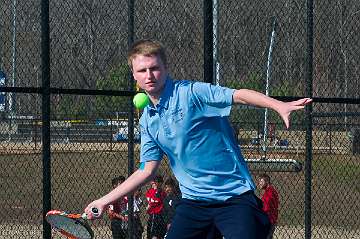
column 95, row 211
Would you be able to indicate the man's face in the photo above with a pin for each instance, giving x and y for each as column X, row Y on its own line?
column 262, row 183
column 150, row 74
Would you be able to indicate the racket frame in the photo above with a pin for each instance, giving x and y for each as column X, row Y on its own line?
column 79, row 219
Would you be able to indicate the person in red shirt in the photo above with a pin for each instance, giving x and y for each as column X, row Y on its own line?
column 270, row 199
column 116, row 212
column 156, row 226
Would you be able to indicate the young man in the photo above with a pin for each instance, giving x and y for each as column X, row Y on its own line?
column 270, row 199
column 156, row 227
column 188, row 122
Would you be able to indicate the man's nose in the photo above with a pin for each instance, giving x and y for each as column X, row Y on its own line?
column 149, row 73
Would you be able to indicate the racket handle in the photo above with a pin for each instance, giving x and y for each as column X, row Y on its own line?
column 95, row 211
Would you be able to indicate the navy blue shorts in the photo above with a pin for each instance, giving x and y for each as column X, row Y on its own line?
column 237, row 217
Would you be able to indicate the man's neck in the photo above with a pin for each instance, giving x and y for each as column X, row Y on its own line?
column 154, row 99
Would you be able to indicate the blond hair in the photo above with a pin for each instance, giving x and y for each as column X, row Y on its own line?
column 146, row 47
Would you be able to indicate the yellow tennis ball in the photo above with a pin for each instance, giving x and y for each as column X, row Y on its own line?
column 141, row 100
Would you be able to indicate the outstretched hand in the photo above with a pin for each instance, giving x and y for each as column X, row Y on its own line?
column 288, row 107
column 95, row 204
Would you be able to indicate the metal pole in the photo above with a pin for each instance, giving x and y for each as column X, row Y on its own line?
column 308, row 112
column 208, row 41
column 45, row 66
column 13, row 76
column 268, row 77
column 216, row 68
column 131, row 125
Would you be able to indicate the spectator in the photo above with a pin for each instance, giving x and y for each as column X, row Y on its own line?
column 270, row 199
column 138, row 228
column 117, row 211
column 156, row 227
column 171, row 200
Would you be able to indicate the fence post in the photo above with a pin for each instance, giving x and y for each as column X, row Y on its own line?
column 208, row 41
column 45, row 66
column 131, row 162
column 308, row 112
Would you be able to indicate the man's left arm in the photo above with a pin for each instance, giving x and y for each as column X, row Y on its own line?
column 284, row 109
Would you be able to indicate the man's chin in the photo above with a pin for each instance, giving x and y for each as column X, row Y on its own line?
column 153, row 92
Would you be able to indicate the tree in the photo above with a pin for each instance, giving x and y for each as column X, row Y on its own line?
column 118, row 78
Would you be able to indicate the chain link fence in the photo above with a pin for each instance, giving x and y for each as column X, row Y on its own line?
column 91, row 133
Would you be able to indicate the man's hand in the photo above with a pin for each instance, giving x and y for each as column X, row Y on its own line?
column 99, row 205
column 288, row 107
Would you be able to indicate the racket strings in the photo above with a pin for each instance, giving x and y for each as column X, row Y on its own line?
column 71, row 226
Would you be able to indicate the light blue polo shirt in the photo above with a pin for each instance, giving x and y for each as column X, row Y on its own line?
column 190, row 126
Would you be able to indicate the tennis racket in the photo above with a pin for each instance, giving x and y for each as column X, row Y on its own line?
column 71, row 225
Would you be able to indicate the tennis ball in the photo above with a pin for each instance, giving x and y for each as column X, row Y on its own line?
column 141, row 100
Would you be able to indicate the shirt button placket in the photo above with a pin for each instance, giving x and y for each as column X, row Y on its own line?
column 164, row 122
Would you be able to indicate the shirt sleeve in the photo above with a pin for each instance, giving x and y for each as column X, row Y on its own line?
column 211, row 99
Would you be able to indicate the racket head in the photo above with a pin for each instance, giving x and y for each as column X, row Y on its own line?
column 70, row 225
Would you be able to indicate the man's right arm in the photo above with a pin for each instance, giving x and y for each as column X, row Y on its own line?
column 136, row 180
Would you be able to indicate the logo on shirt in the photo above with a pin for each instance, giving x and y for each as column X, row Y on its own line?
column 176, row 115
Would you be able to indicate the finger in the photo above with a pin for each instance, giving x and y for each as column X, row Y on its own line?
column 305, row 101
column 287, row 123
column 89, row 213
column 86, row 210
column 300, row 102
column 89, row 216
column 298, row 107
